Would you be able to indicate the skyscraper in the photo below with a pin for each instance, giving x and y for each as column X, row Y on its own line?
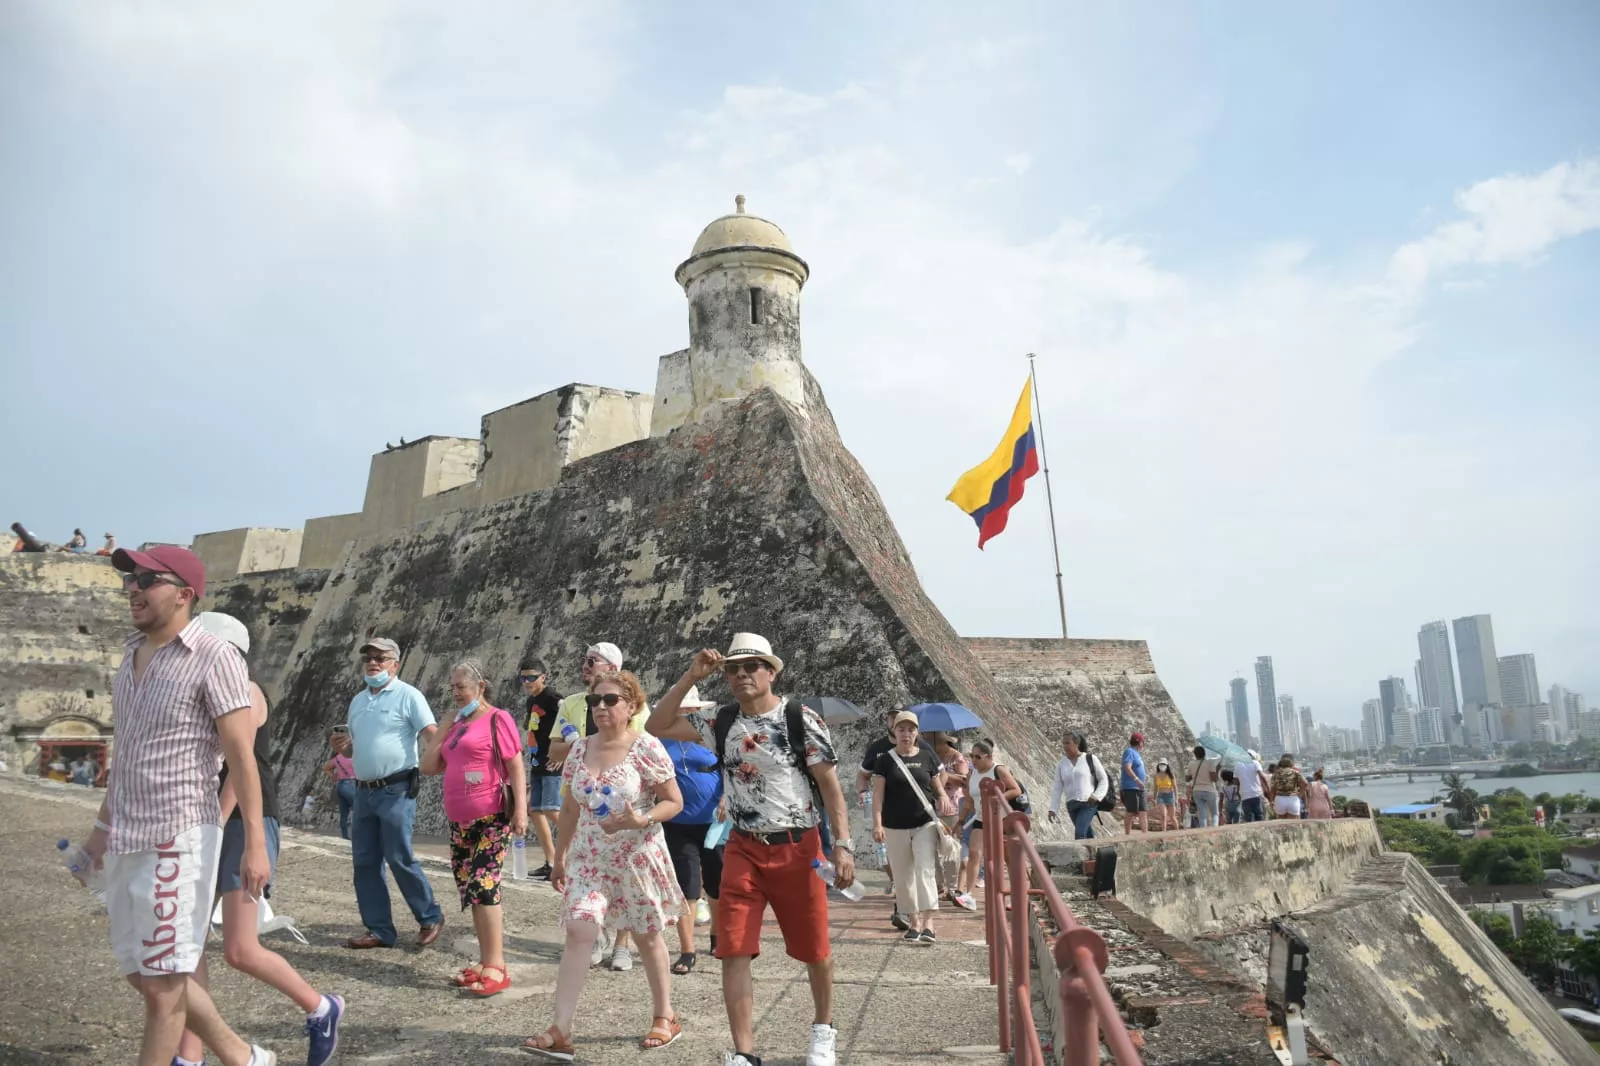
column 1288, row 728
column 1519, row 681
column 1436, row 682
column 1480, row 668
column 1392, row 696
column 1308, row 729
column 1372, row 725
column 1267, row 699
column 1240, row 702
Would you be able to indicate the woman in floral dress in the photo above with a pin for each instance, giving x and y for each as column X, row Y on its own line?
column 611, row 864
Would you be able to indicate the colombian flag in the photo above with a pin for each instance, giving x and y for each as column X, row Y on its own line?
column 989, row 490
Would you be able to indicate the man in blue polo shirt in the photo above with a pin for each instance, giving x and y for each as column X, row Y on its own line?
column 1134, row 788
column 386, row 719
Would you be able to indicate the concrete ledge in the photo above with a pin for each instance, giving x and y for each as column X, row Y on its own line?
column 1214, row 880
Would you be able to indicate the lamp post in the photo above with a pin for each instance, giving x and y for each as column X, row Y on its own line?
column 1287, row 955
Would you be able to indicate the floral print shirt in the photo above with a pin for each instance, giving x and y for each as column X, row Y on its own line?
column 765, row 790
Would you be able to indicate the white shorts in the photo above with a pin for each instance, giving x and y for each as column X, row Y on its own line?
column 159, row 902
column 1287, row 806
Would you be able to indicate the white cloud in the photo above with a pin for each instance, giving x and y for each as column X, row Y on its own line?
column 1510, row 219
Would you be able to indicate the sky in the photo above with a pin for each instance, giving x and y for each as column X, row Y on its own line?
column 1312, row 287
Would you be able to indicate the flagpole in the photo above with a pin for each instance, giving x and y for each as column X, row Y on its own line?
column 1050, row 500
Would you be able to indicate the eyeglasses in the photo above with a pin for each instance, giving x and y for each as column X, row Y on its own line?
column 376, row 657
column 148, row 579
column 747, row 666
column 528, row 679
column 607, row 699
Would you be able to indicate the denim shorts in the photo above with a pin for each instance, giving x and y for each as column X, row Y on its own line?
column 233, row 854
column 545, row 793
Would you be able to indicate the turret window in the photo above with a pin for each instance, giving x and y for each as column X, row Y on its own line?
column 755, row 307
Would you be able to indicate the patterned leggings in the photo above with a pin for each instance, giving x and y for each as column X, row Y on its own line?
column 477, row 851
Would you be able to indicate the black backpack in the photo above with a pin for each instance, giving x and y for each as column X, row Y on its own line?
column 795, row 725
column 1097, row 771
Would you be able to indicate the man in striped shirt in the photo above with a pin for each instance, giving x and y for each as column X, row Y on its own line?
column 180, row 706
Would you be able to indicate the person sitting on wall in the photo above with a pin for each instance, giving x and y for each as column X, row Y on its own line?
column 109, row 546
column 77, row 545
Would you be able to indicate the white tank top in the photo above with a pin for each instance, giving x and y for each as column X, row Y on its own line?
column 973, row 787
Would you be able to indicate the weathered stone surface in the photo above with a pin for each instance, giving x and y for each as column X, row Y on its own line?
column 757, row 519
column 63, row 620
column 1104, row 689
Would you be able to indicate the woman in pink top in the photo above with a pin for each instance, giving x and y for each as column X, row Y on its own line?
column 478, row 748
column 1318, row 804
column 343, row 772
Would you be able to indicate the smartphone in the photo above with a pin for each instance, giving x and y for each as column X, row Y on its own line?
column 341, row 729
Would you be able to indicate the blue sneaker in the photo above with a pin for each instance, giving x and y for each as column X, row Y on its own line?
column 324, row 1033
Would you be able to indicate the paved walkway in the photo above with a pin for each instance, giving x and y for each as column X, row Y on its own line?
column 895, row 1005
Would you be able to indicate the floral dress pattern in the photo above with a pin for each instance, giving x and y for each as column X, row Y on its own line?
column 625, row 880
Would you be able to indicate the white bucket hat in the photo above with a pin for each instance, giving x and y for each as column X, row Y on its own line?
column 607, row 651
column 752, row 646
column 227, row 627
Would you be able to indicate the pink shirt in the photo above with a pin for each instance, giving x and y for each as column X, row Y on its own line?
column 472, row 776
column 343, row 768
column 163, row 777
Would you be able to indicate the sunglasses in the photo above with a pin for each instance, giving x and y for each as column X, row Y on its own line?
column 603, row 699
column 748, row 666
column 595, row 660
column 377, row 657
column 528, row 679
column 148, row 579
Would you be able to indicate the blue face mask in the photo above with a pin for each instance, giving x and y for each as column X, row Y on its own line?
column 377, row 680
column 466, row 712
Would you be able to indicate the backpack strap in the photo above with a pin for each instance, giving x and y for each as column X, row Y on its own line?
column 720, row 728
column 795, row 719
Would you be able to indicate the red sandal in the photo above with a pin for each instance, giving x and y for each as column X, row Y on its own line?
column 468, row 975
column 485, row 986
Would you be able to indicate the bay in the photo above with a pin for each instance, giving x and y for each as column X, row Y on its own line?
column 1394, row 791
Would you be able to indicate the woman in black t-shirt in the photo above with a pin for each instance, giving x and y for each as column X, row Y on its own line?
column 903, row 817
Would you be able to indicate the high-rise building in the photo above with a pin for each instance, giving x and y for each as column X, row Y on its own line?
column 1267, row 699
column 1480, row 667
column 1392, row 695
column 1430, row 729
column 1436, row 678
column 1570, row 704
column 1519, row 681
column 1308, row 730
column 1288, row 728
column 1404, row 736
column 1240, row 701
column 1372, row 725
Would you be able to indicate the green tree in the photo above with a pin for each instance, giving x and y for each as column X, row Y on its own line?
column 1498, row 928
column 1433, row 845
column 1460, row 798
column 1593, row 806
column 1540, row 947
column 1585, row 955
column 1340, row 803
column 1518, row 855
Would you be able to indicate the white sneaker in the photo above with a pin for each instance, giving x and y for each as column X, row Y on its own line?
column 702, row 913
column 622, row 960
column 823, row 1037
column 733, row 1058
column 602, row 944
column 260, row 1056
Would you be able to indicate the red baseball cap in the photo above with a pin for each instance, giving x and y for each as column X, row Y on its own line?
column 165, row 559
column 1137, row 738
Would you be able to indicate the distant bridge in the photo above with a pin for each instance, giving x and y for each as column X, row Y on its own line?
column 1411, row 773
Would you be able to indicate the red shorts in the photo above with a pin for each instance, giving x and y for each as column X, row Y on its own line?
column 755, row 875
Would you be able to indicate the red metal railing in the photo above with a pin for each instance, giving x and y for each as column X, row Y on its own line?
column 1014, row 872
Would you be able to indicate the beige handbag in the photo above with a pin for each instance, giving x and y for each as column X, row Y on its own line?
column 949, row 850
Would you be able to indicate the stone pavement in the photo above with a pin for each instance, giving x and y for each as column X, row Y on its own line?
column 65, row 1005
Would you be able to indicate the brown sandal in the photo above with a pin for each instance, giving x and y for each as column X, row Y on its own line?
column 660, row 1036
column 550, row 1045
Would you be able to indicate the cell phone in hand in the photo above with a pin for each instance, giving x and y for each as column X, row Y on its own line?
column 341, row 729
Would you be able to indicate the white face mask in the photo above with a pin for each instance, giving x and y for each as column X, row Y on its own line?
column 377, row 681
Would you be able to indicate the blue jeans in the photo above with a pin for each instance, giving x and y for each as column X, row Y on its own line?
column 1083, row 820
column 1205, row 807
column 346, row 791
column 1254, row 810
column 380, row 833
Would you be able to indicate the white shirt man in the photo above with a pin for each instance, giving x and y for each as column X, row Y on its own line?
column 1252, row 787
column 1082, row 781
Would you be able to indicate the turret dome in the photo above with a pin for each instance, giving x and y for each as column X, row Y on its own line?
column 741, row 237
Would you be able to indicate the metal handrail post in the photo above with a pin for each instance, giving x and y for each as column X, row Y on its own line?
column 1015, row 827
column 1082, row 1028
column 994, row 905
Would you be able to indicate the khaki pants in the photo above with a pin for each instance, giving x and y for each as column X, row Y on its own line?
column 914, row 854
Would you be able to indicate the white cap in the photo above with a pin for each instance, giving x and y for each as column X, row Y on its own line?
column 607, row 651
column 227, row 627
column 752, row 646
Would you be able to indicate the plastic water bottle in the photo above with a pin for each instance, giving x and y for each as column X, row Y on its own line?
column 830, row 876
column 519, row 859
column 308, row 806
column 883, row 856
column 79, row 865
column 602, row 809
column 569, row 733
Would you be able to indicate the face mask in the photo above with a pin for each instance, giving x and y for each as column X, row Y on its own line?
column 376, row 680
column 466, row 711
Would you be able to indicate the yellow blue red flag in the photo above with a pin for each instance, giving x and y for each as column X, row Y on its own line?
column 989, row 490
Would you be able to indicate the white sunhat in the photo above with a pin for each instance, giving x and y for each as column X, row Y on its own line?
column 752, row 646
column 227, row 627
column 693, row 702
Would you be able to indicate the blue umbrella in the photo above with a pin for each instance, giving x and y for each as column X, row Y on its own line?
column 1230, row 752
column 945, row 718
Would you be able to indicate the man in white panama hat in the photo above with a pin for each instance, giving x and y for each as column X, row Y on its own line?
column 771, row 751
